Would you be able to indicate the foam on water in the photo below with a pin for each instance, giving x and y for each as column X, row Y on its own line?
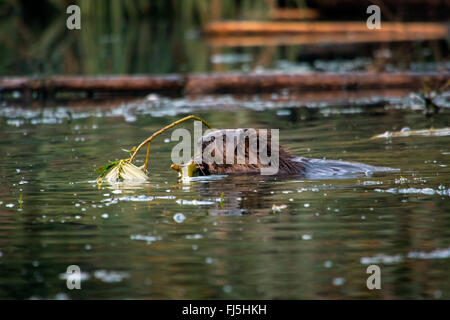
column 425, row 191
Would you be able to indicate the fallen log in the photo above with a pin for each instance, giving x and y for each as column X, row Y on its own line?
column 293, row 14
column 275, row 27
column 314, row 39
column 229, row 83
column 169, row 83
column 222, row 83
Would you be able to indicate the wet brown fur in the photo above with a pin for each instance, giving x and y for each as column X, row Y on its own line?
column 286, row 165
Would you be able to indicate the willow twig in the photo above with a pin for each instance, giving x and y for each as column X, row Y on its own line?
column 148, row 140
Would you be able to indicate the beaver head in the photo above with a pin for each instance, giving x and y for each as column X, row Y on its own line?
column 244, row 151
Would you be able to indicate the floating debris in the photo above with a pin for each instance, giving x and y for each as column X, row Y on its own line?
column 436, row 254
column 111, row 276
column 425, row 191
column 141, row 198
column 406, row 132
column 306, row 237
column 194, row 236
column 387, row 259
column 194, row 202
column 382, row 258
column 276, row 208
column 148, row 239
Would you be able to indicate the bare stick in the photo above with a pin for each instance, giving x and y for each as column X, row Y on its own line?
column 148, row 140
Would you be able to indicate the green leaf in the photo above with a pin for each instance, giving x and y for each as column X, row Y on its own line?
column 105, row 169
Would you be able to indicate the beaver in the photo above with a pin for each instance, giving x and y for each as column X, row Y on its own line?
column 251, row 151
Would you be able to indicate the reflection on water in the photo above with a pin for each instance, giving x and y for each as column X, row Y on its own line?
column 265, row 238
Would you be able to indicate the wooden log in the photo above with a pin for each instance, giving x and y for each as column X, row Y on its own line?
column 293, row 14
column 314, row 39
column 223, row 83
column 275, row 27
column 169, row 83
column 247, row 83
column 14, row 83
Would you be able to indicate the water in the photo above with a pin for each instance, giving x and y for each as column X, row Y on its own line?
column 266, row 238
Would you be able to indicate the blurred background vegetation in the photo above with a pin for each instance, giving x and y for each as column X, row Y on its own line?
column 120, row 36
column 149, row 36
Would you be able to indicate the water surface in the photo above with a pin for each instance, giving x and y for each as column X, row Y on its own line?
column 269, row 238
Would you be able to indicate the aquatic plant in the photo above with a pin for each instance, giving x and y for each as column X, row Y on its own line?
column 125, row 170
